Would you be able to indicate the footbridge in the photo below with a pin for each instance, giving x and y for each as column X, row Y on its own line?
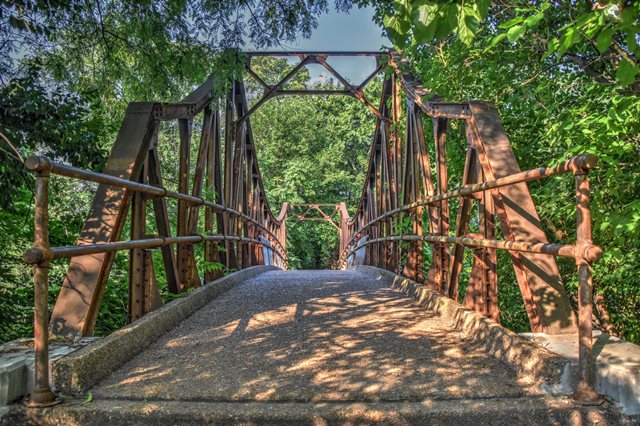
column 393, row 335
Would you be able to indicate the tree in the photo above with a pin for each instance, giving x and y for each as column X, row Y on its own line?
column 600, row 37
column 312, row 149
column 564, row 76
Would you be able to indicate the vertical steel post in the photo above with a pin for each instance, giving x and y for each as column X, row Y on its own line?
column 182, row 250
column 136, row 256
column 584, row 392
column 42, row 395
column 444, row 251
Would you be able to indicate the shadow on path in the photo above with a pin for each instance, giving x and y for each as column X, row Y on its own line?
column 311, row 336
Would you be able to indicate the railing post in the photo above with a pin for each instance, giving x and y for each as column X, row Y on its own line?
column 42, row 395
column 584, row 392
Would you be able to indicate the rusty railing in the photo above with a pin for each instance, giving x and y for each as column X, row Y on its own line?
column 41, row 254
column 403, row 206
column 584, row 252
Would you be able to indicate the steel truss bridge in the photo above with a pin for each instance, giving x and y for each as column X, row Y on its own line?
column 221, row 202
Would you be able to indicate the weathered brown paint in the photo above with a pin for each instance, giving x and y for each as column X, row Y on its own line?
column 78, row 302
column 537, row 273
column 584, row 392
column 136, row 259
column 162, row 222
column 42, row 395
column 464, row 212
column 183, row 257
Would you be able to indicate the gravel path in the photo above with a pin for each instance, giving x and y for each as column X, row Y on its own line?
column 311, row 336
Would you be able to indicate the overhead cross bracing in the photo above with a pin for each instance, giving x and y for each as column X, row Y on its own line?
column 307, row 58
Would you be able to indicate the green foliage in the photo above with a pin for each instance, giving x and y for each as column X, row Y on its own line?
column 418, row 22
column 45, row 119
column 601, row 37
column 311, row 149
column 556, row 78
column 212, row 266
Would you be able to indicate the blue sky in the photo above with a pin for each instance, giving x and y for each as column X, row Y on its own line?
column 354, row 31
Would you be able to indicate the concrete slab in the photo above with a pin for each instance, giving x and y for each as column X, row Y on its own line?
column 12, row 379
column 17, row 366
column 472, row 412
column 322, row 347
column 76, row 373
column 312, row 336
column 617, row 365
column 546, row 369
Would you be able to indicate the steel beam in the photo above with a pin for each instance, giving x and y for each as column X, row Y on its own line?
column 78, row 302
column 538, row 276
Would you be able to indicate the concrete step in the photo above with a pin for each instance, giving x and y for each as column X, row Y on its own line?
column 17, row 366
column 530, row 410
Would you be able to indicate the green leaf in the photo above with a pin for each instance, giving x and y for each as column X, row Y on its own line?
column 424, row 22
column 89, row 399
column 627, row 72
column 569, row 38
column 533, row 20
column 632, row 43
column 467, row 24
column 628, row 16
column 448, row 21
column 397, row 29
column 551, row 48
column 604, row 39
column 511, row 23
column 483, row 7
column 516, row 32
column 584, row 19
column 497, row 39
column 401, row 8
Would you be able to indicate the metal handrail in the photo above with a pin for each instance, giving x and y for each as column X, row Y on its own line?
column 44, row 164
column 41, row 253
column 577, row 164
column 583, row 251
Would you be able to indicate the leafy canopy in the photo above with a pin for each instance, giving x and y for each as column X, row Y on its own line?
column 602, row 37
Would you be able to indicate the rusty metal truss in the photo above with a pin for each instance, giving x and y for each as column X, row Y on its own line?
column 403, row 217
column 317, row 212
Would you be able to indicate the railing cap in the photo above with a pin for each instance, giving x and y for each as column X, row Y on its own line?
column 584, row 163
column 38, row 164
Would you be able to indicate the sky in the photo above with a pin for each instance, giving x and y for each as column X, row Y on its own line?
column 354, row 31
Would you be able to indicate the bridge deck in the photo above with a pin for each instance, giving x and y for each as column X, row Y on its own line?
column 311, row 336
column 318, row 347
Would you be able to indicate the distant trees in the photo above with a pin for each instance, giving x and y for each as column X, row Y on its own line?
column 312, row 149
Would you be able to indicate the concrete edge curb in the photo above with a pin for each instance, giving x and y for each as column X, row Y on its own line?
column 550, row 370
column 503, row 411
column 77, row 372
